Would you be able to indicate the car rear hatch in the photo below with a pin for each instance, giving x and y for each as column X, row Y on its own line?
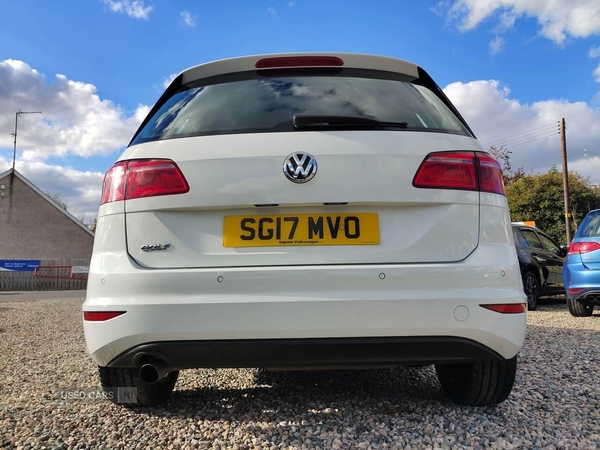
column 586, row 243
column 404, row 190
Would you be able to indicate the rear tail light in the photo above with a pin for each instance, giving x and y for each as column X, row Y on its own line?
column 471, row 171
column 154, row 177
column 299, row 61
column 113, row 187
column 447, row 170
column 507, row 308
column 583, row 247
column 575, row 290
column 101, row 316
column 127, row 180
column 490, row 174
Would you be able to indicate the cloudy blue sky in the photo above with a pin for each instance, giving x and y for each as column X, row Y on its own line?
column 95, row 67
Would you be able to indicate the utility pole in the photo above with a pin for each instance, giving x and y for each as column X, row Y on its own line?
column 17, row 114
column 563, row 141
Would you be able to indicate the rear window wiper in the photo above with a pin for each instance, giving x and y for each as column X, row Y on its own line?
column 308, row 121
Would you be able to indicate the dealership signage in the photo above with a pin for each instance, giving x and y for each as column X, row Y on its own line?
column 19, row 265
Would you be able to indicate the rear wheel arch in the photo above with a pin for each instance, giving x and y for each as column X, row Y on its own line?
column 533, row 269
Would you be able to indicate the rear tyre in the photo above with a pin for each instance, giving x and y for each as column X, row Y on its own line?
column 532, row 290
column 579, row 309
column 480, row 383
column 124, row 386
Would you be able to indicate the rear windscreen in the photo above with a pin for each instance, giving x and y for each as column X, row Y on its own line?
column 268, row 104
column 590, row 226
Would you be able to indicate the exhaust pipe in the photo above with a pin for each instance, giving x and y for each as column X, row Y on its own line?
column 154, row 371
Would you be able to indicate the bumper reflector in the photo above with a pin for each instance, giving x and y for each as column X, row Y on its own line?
column 507, row 308
column 101, row 316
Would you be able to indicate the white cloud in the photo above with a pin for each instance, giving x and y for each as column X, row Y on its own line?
column 74, row 120
column 189, row 20
column 272, row 11
column 167, row 81
column 135, row 8
column 291, row 3
column 597, row 73
column 595, row 53
column 505, row 22
column 557, row 19
column 497, row 45
column 493, row 114
column 79, row 190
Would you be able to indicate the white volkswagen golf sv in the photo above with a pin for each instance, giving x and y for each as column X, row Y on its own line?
column 314, row 210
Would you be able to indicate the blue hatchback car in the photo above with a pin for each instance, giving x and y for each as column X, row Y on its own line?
column 581, row 270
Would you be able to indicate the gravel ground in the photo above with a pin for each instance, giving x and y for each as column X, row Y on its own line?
column 555, row 404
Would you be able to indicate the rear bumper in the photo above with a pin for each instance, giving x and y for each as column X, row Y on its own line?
column 589, row 295
column 287, row 353
column 424, row 301
column 584, row 281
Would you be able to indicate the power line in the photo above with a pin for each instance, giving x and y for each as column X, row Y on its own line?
column 591, row 161
column 527, row 136
column 575, row 136
column 521, row 133
column 585, row 152
column 527, row 141
column 518, row 134
column 509, row 142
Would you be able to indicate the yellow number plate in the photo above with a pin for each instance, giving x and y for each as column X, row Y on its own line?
column 301, row 229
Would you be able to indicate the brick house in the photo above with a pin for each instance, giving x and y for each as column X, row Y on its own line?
column 35, row 227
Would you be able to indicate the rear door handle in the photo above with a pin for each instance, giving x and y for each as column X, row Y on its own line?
column 538, row 257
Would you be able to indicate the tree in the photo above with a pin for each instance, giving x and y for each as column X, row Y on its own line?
column 502, row 155
column 90, row 223
column 55, row 196
column 540, row 197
